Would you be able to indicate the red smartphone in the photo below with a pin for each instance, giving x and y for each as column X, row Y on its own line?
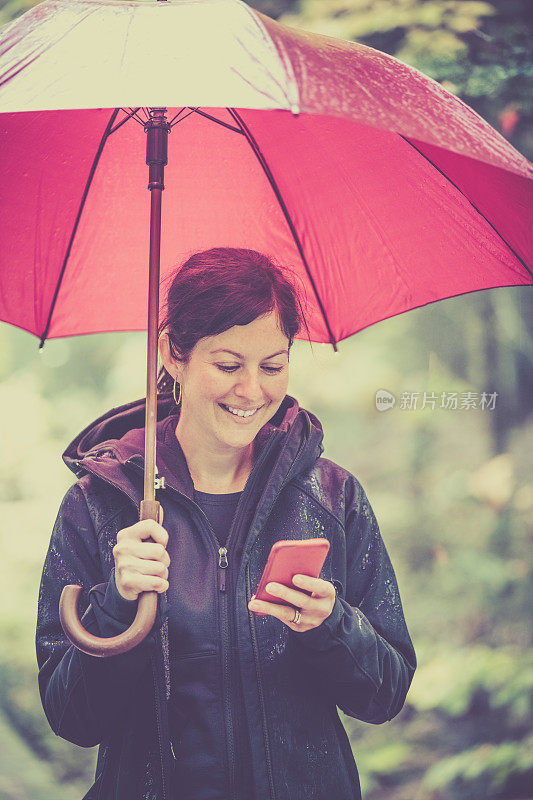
column 288, row 558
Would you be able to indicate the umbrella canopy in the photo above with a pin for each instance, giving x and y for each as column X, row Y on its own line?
column 380, row 189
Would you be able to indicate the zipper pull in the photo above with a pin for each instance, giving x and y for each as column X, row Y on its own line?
column 222, row 563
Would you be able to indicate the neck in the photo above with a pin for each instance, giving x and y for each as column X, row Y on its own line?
column 214, row 470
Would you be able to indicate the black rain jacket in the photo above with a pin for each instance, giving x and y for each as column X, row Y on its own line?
column 287, row 684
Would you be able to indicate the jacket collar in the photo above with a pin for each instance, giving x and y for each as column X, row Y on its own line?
column 112, row 447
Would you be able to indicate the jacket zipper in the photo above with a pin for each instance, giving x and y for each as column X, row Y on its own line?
column 255, row 650
column 223, row 564
column 260, row 688
column 221, row 586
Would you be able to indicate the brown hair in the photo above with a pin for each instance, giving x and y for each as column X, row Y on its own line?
column 222, row 287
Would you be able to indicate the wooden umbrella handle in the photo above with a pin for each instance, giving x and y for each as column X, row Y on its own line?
column 114, row 645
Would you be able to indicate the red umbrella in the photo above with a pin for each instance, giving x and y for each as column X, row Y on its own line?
column 381, row 190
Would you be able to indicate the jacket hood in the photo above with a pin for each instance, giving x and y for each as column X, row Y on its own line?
column 117, row 438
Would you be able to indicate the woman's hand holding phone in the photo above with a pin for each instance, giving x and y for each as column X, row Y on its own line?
column 295, row 563
column 314, row 609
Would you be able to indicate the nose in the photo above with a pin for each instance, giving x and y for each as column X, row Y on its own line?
column 248, row 386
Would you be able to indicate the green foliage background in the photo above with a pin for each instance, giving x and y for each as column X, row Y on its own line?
column 452, row 489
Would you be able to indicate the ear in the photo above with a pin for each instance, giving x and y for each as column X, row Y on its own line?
column 172, row 366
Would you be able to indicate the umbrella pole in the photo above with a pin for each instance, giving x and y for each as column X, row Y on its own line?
column 147, row 507
column 157, row 130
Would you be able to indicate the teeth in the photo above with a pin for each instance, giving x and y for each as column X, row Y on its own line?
column 239, row 413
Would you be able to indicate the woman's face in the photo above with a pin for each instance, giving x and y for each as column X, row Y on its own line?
column 244, row 369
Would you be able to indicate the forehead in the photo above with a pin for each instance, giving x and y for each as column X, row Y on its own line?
column 260, row 338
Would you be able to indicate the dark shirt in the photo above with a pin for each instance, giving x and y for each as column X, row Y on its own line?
column 219, row 510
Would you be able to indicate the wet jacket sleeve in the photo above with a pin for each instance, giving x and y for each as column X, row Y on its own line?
column 83, row 695
column 362, row 655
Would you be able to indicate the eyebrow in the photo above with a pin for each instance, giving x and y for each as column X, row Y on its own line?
column 238, row 355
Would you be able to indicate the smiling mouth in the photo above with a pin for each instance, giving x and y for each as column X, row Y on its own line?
column 238, row 413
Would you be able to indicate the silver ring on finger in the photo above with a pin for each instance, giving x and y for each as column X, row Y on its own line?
column 297, row 616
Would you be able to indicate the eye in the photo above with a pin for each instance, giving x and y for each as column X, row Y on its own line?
column 226, row 369
column 269, row 370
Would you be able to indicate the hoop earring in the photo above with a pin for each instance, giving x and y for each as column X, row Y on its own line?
column 177, row 401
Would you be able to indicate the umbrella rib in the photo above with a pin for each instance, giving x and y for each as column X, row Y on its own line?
column 175, row 121
column 135, row 115
column 175, row 117
column 131, row 115
column 471, row 203
column 219, row 121
column 266, row 169
column 77, row 221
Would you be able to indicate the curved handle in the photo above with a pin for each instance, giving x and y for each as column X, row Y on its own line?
column 113, row 645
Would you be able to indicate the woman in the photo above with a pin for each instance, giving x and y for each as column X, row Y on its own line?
column 219, row 703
